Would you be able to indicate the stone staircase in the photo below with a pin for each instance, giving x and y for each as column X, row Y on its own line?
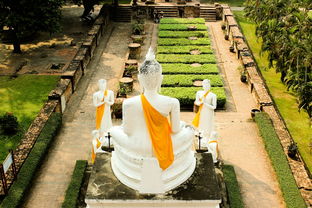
column 208, row 13
column 122, row 14
column 169, row 11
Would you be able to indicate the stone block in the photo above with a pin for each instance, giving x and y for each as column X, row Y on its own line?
column 74, row 73
column 247, row 61
column 83, row 57
column 90, row 44
column 200, row 190
column 96, row 32
column 62, row 93
column 226, row 12
column 262, row 96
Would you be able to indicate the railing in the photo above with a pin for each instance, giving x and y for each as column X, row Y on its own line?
column 5, row 178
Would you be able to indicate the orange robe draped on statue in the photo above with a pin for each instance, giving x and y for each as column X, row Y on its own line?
column 197, row 116
column 160, row 134
column 100, row 113
column 98, row 144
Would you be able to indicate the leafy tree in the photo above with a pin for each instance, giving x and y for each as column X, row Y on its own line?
column 25, row 17
column 285, row 28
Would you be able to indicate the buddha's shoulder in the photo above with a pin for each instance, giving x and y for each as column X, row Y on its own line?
column 170, row 100
column 132, row 100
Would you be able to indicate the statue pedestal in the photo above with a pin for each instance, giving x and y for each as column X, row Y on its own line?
column 200, row 190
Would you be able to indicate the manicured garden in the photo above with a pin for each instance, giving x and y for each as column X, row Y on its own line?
column 297, row 122
column 23, row 97
column 187, row 58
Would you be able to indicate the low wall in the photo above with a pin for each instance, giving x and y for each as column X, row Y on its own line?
column 265, row 102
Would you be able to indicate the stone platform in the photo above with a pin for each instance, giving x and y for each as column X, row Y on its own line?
column 200, row 190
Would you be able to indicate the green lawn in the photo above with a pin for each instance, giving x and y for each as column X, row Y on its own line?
column 23, row 97
column 297, row 122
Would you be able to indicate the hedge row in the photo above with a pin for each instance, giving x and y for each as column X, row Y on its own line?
column 182, row 34
column 232, row 186
column 189, row 69
column 187, row 95
column 279, row 161
column 182, row 80
column 182, row 41
column 22, row 184
column 73, row 190
column 178, row 58
column 183, row 49
column 182, row 21
column 182, row 27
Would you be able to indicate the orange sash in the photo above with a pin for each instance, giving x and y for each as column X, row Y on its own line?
column 100, row 113
column 197, row 116
column 160, row 134
column 98, row 144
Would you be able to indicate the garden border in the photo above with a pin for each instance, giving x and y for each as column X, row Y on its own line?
column 265, row 102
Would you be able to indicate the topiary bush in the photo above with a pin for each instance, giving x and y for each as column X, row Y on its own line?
column 185, row 80
column 182, row 27
column 183, row 58
column 182, row 41
column 182, row 34
column 8, row 124
column 189, row 69
column 183, row 49
column 182, row 21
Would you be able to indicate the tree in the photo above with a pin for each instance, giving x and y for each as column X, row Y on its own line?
column 25, row 17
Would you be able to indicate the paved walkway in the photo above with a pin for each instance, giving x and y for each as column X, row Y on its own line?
column 240, row 145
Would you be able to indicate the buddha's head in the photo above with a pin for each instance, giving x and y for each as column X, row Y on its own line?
column 150, row 73
column 102, row 84
column 206, row 84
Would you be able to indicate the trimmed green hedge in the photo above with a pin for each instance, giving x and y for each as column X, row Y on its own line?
column 188, row 69
column 182, row 34
column 186, row 95
column 232, row 186
column 178, row 58
column 185, row 80
column 73, row 190
column 279, row 161
column 182, row 21
column 183, row 49
column 182, row 41
column 181, row 27
column 27, row 173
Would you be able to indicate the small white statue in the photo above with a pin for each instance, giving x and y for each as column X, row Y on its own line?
column 102, row 100
column 152, row 155
column 207, row 102
column 96, row 144
column 213, row 146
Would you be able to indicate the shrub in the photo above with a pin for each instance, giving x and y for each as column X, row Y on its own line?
column 178, row 58
column 183, row 41
column 182, row 34
column 73, row 190
column 8, row 124
column 182, row 21
column 189, row 69
column 181, row 80
column 186, row 95
column 231, row 183
column 182, row 27
column 183, row 49
column 137, row 29
column 26, row 174
column 279, row 161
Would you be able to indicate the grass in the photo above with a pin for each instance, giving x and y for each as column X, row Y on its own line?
column 22, row 184
column 185, row 80
column 182, row 34
column 182, row 41
column 186, row 95
column 279, row 162
column 183, row 49
column 178, row 58
column 182, row 27
column 297, row 123
column 235, row 3
column 189, row 69
column 24, row 97
column 232, row 186
column 73, row 190
column 182, row 21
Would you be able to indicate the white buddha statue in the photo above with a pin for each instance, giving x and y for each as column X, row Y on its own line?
column 207, row 102
column 212, row 146
column 102, row 100
column 153, row 148
column 96, row 144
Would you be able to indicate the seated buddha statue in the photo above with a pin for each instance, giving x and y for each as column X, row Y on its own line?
column 153, row 148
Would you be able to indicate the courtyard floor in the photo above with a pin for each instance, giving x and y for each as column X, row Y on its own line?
column 240, row 143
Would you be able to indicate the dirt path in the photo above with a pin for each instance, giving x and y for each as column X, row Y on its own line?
column 240, row 144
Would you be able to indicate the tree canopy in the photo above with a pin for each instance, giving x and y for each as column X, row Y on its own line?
column 24, row 17
column 286, row 31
